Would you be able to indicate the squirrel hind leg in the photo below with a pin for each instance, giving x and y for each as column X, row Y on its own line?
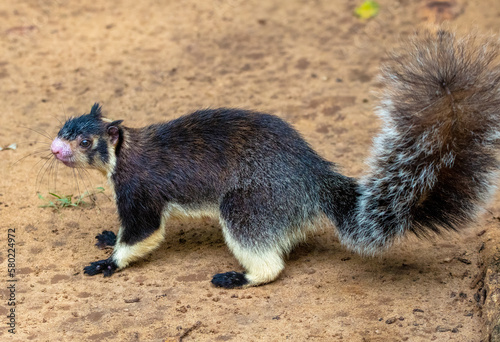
column 262, row 265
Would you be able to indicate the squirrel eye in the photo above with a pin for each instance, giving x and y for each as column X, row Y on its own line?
column 85, row 143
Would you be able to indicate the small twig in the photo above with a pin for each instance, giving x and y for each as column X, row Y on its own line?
column 133, row 300
column 187, row 331
column 480, row 276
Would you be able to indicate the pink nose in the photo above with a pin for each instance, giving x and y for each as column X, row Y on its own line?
column 61, row 149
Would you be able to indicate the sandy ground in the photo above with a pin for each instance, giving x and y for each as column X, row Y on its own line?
column 310, row 62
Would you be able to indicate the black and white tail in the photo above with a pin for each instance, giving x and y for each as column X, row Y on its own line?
column 434, row 165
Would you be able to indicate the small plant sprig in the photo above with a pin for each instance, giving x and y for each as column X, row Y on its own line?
column 58, row 202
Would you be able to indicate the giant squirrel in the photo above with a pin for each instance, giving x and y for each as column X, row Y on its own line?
column 433, row 166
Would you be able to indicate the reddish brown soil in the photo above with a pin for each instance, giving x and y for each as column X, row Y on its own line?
column 310, row 62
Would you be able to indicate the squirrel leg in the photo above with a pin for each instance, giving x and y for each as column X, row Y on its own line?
column 255, row 239
column 129, row 247
column 262, row 265
column 124, row 252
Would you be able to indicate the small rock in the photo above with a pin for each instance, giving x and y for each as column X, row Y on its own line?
column 442, row 329
column 182, row 309
column 464, row 260
column 133, row 300
column 391, row 320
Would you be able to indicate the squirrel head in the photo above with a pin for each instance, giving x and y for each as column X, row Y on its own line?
column 88, row 141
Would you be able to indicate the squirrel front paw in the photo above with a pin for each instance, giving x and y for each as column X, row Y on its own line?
column 106, row 239
column 107, row 267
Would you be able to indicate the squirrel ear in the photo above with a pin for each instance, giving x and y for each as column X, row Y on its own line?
column 96, row 110
column 113, row 130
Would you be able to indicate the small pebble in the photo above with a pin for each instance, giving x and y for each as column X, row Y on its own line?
column 442, row 329
column 391, row 320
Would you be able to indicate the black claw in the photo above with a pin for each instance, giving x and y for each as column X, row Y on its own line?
column 229, row 280
column 106, row 239
column 107, row 267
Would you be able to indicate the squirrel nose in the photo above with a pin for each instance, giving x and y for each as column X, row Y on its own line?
column 60, row 148
column 55, row 147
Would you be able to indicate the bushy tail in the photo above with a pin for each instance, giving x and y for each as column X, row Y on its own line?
column 434, row 165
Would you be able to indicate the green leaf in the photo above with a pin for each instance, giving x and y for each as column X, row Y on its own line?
column 55, row 195
column 66, row 201
column 367, row 9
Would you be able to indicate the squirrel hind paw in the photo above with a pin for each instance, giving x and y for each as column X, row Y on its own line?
column 106, row 239
column 230, row 280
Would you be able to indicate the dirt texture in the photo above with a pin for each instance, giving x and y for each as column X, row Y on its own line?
column 314, row 64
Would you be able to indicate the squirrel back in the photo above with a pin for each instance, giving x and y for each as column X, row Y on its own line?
column 435, row 162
